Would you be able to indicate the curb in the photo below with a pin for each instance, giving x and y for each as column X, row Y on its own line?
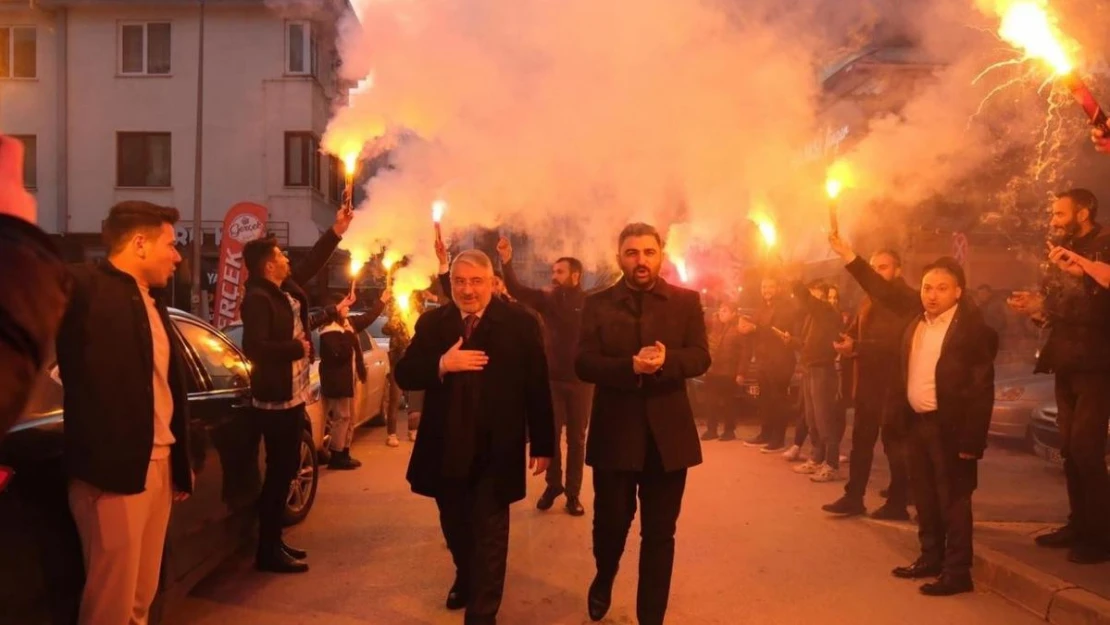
column 1047, row 596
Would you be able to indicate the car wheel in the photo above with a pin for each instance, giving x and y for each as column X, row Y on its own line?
column 302, row 491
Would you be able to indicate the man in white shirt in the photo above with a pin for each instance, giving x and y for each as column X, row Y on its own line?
column 948, row 375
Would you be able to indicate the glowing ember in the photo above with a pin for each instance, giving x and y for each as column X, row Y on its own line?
column 1027, row 25
column 350, row 161
column 837, row 178
column 833, row 188
column 766, row 228
column 438, row 208
column 403, row 301
column 680, row 267
column 356, row 265
column 388, row 262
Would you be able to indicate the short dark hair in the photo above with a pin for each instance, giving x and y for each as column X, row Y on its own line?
column 1083, row 198
column 893, row 254
column 125, row 218
column 986, row 287
column 574, row 264
column 639, row 229
column 950, row 266
column 257, row 253
column 820, row 285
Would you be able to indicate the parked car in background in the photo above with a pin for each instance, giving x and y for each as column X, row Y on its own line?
column 1046, row 434
column 41, row 566
column 1018, row 392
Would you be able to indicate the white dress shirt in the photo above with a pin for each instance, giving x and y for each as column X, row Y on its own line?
column 928, row 338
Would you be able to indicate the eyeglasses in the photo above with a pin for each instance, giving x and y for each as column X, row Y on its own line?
column 472, row 282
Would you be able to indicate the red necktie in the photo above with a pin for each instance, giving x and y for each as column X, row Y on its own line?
column 468, row 326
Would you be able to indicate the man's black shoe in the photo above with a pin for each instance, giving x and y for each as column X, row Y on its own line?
column 1059, row 538
column 277, row 561
column 728, row 436
column 547, row 499
column 947, row 586
column 845, row 506
column 296, row 554
column 457, row 597
column 1088, row 554
column 891, row 512
column 919, row 570
column 599, row 598
column 709, row 435
column 574, row 506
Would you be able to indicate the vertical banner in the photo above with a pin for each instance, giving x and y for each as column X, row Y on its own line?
column 245, row 222
column 960, row 248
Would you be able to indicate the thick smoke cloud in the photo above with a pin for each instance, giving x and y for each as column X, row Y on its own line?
column 568, row 119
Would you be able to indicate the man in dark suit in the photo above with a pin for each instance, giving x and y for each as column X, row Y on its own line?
column 276, row 329
column 947, row 368
column 642, row 339
column 480, row 361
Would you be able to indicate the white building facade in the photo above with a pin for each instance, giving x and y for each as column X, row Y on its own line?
column 105, row 95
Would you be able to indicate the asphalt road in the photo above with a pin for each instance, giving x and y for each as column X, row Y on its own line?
column 753, row 547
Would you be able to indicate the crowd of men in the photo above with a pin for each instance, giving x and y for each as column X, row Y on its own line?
column 503, row 375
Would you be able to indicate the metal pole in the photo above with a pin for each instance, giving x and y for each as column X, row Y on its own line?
column 198, row 234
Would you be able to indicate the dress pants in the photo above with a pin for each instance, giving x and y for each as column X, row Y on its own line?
column 281, row 433
column 942, row 485
column 122, row 537
column 774, row 406
column 476, row 527
column 660, row 493
column 572, row 402
column 872, row 418
column 1083, row 401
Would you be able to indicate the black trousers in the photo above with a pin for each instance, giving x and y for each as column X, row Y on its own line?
column 872, row 418
column 660, row 493
column 572, row 402
column 721, row 391
column 1083, row 401
column 942, row 485
column 476, row 527
column 774, row 406
column 281, row 433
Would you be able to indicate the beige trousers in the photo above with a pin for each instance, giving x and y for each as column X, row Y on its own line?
column 122, row 538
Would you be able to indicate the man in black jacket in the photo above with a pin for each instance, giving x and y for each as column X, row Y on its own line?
column 642, row 339
column 874, row 342
column 1076, row 310
column 33, row 289
column 561, row 310
column 775, row 362
column 276, row 330
column 126, row 412
column 947, row 382
column 480, row 361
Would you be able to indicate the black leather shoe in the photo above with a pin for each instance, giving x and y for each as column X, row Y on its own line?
column 845, row 506
column 296, row 554
column 599, row 598
column 457, row 597
column 891, row 512
column 277, row 561
column 1088, row 554
column 1059, row 538
column 547, row 499
column 342, row 461
column 918, row 570
column 947, row 586
column 574, row 507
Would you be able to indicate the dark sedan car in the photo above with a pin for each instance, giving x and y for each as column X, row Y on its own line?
column 41, row 567
column 1046, row 435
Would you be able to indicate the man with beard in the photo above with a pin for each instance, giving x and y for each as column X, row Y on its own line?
column 642, row 339
column 480, row 361
column 775, row 362
column 276, row 329
column 560, row 308
column 1076, row 311
column 874, row 341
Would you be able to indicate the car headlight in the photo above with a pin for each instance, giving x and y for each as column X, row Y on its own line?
column 1009, row 393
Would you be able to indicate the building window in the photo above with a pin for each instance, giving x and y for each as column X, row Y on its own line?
column 143, row 159
column 18, row 52
column 302, row 160
column 301, row 49
column 30, row 161
column 336, row 180
column 144, row 49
